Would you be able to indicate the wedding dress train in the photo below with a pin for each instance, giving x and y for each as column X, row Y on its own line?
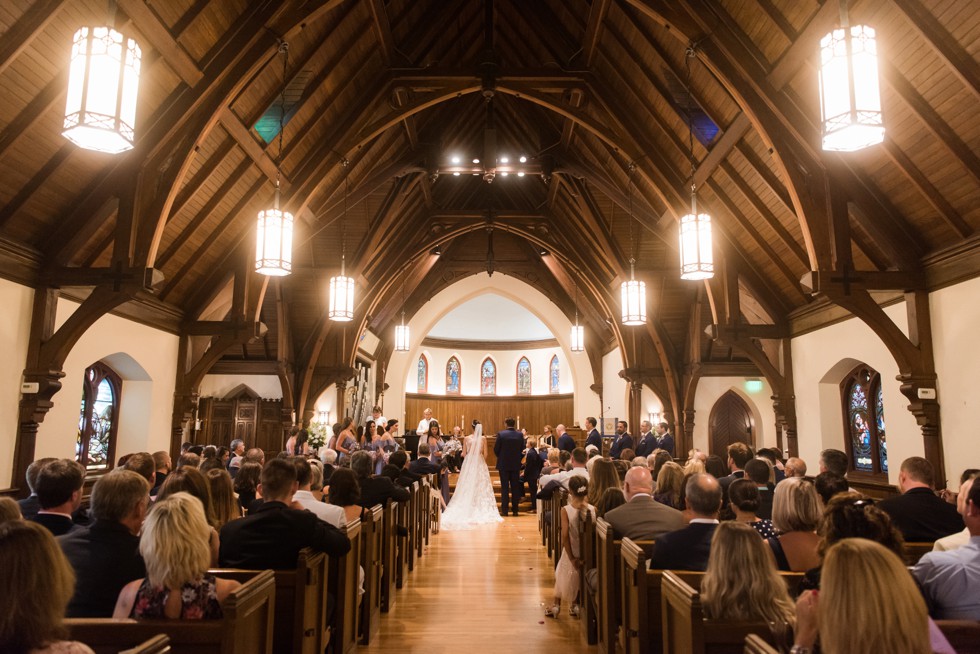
column 473, row 502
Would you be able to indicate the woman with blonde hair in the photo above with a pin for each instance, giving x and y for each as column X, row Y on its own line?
column 796, row 513
column 223, row 501
column 603, row 476
column 177, row 585
column 694, row 467
column 552, row 464
column 868, row 602
column 741, row 584
column 192, row 481
column 9, row 510
column 669, row 484
column 36, row 585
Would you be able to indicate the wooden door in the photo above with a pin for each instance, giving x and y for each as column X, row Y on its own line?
column 730, row 422
column 245, row 413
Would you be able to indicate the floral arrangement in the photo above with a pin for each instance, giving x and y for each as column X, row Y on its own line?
column 452, row 446
column 318, row 434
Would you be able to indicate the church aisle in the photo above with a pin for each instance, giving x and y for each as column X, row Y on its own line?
column 477, row 590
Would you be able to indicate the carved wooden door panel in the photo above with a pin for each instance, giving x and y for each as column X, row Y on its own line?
column 245, row 415
column 730, row 422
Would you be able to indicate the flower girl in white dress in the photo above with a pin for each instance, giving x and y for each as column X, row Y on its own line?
column 570, row 564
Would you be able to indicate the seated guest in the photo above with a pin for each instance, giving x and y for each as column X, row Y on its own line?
column 758, row 471
column 142, row 464
column 796, row 513
column 613, row 498
column 329, row 459
column 738, row 455
column 105, row 555
column 564, row 459
column 29, row 506
column 163, row 465
column 744, row 502
column 688, row 548
column 669, row 484
column 639, row 462
column 255, row 454
column 602, row 476
column 191, row 480
column 829, row 484
column 771, row 456
column 177, row 585
column 795, row 467
column 273, row 534
column 626, row 455
column 918, row 512
column 345, row 492
column 961, row 538
column 224, row 505
column 188, row 460
column 304, row 497
column 834, row 461
column 715, row 467
column 398, row 471
column 374, row 489
column 868, row 602
column 423, row 465
column 59, row 493
column 741, row 584
column 247, row 483
column 35, row 586
column 642, row 517
column 9, row 510
column 853, row 515
column 551, row 461
column 316, row 479
column 951, row 580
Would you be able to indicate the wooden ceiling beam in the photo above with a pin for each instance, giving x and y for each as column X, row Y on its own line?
column 253, row 149
column 382, row 30
column 25, row 192
column 149, row 25
column 39, row 106
column 204, row 173
column 722, row 147
column 593, row 31
column 32, row 22
column 189, row 16
column 824, row 18
column 963, row 65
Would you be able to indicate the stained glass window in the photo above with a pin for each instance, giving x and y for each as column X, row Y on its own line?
column 423, row 375
column 95, row 442
column 488, row 377
column 523, row 377
column 554, row 385
column 452, row 376
column 865, row 422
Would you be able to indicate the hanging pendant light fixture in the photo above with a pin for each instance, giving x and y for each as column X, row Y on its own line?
column 103, row 83
column 578, row 331
column 634, row 292
column 402, row 341
column 696, row 257
column 274, row 231
column 850, row 95
column 342, row 287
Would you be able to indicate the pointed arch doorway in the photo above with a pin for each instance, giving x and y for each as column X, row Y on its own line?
column 730, row 421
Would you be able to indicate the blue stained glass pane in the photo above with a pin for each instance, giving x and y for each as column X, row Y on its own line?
column 524, row 376
column 882, row 445
column 452, row 375
column 488, row 378
column 554, row 370
column 858, row 420
column 423, row 375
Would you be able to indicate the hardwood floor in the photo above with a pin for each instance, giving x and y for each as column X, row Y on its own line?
column 480, row 590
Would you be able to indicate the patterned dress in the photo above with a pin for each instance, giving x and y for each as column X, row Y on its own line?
column 198, row 601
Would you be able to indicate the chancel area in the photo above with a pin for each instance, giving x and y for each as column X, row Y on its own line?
column 693, row 282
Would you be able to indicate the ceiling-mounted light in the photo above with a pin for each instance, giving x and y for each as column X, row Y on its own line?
column 103, row 81
column 274, row 231
column 697, row 259
column 633, row 292
column 850, row 95
column 341, row 308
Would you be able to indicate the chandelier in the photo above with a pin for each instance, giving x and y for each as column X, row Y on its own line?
column 103, row 81
column 634, row 292
column 274, row 231
column 850, row 97
column 341, row 308
column 695, row 228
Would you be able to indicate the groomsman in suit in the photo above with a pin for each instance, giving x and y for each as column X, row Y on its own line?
column 565, row 440
column 594, row 438
column 688, row 548
column 509, row 449
column 664, row 440
column 622, row 441
column 648, row 441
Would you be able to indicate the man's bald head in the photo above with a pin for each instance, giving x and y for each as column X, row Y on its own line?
column 560, row 429
column 703, row 495
column 638, row 480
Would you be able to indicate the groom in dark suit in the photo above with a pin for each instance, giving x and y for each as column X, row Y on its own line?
column 509, row 449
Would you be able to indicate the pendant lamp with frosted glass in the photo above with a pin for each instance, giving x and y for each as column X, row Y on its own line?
column 695, row 248
column 402, row 340
column 341, row 308
column 578, row 331
column 633, row 292
column 103, row 84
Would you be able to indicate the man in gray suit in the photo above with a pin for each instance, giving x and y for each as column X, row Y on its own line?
column 642, row 517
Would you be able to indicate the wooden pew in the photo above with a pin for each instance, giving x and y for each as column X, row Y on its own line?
column 301, row 602
column 343, row 583
column 558, row 500
column 589, row 616
column 963, row 635
column 389, row 556
column 685, row 631
column 371, row 536
column 157, row 645
column 404, row 546
column 756, row 645
column 246, row 627
column 607, row 594
column 915, row 551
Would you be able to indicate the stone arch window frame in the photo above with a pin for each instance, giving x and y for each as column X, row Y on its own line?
column 482, row 365
column 554, row 363
column 423, row 362
column 459, row 366
column 873, row 390
column 517, row 377
column 93, row 378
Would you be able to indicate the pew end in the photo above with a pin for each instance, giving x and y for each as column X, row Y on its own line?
column 159, row 644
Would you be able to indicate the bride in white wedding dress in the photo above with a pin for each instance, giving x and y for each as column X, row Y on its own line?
column 473, row 502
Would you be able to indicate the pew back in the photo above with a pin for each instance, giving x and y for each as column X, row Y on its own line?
column 388, row 557
column 915, row 551
column 756, row 645
column 344, row 582
column 586, row 541
column 159, row 644
column 371, row 537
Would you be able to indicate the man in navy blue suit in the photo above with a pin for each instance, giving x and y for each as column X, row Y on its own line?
column 664, row 440
column 565, row 440
column 593, row 438
column 509, row 449
column 622, row 442
column 688, row 548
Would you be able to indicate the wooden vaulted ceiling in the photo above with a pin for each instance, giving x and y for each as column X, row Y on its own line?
column 584, row 89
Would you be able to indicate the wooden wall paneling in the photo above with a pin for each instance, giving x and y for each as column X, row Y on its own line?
column 535, row 411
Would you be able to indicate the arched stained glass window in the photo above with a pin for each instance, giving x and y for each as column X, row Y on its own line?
column 423, row 375
column 554, row 384
column 523, row 377
column 452, row 376
column 864, row 422
column 488, row 377
column 95, row 444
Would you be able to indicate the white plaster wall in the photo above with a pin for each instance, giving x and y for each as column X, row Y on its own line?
column 267, row 386
column 710, row 389
column 146, row 358
column 401, row 368
column 615, row 393
column 15, row 329
column 955, row 315
column 650, row 402
column 818, row 359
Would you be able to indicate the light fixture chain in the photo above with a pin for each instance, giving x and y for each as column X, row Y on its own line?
column 343, row 221
column 284, row 50
column 629, row 204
